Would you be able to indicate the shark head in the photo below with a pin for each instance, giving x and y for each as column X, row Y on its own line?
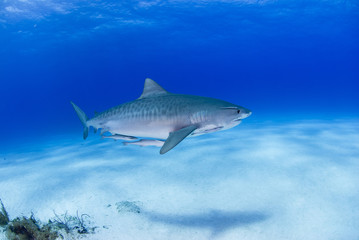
column 232, row 116
column 236, row 113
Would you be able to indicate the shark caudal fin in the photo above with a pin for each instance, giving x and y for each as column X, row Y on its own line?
column 83, row 119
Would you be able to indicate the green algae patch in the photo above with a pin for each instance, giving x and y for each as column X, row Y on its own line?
column 29, row 228
column 4, row 216
column 61, row 227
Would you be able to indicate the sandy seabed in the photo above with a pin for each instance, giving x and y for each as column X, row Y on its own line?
column 295, row 180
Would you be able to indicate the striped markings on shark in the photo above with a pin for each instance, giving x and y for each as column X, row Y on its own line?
column 165, row 117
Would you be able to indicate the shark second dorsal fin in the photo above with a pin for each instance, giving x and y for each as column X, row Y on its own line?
column 152, row 89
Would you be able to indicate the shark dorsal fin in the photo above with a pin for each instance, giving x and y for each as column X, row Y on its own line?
column 152, row 89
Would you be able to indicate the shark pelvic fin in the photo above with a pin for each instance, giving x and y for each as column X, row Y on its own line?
column 152, row 89
column 103, row 130
column 176, row 137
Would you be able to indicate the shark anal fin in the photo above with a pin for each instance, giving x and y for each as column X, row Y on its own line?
column 176, row 137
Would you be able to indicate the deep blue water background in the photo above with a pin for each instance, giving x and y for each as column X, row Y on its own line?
column 284, row 60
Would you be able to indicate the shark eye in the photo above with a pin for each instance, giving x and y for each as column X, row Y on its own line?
column 238, row 111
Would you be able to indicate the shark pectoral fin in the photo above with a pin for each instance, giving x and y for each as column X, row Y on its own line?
column 176, row 137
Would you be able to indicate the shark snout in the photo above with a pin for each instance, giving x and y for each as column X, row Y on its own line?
column 246, row 114
column 243, row 115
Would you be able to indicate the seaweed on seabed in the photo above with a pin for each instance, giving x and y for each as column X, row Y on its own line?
column 4, row 216
column 29, row 229
column 23, row 228
column 127, row 206
column 73, row 223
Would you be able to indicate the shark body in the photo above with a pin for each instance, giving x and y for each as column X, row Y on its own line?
column 161, row 115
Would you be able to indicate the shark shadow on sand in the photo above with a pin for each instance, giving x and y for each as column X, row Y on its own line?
column 216, row 221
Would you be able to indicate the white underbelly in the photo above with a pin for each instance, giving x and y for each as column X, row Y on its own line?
column 146, row 129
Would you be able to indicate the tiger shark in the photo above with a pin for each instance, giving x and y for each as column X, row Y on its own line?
column 161, row 115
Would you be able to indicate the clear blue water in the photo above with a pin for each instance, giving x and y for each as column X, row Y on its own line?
column 288, row 61
column 281, row 59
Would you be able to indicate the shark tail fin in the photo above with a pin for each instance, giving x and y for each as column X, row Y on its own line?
column 83, row 119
